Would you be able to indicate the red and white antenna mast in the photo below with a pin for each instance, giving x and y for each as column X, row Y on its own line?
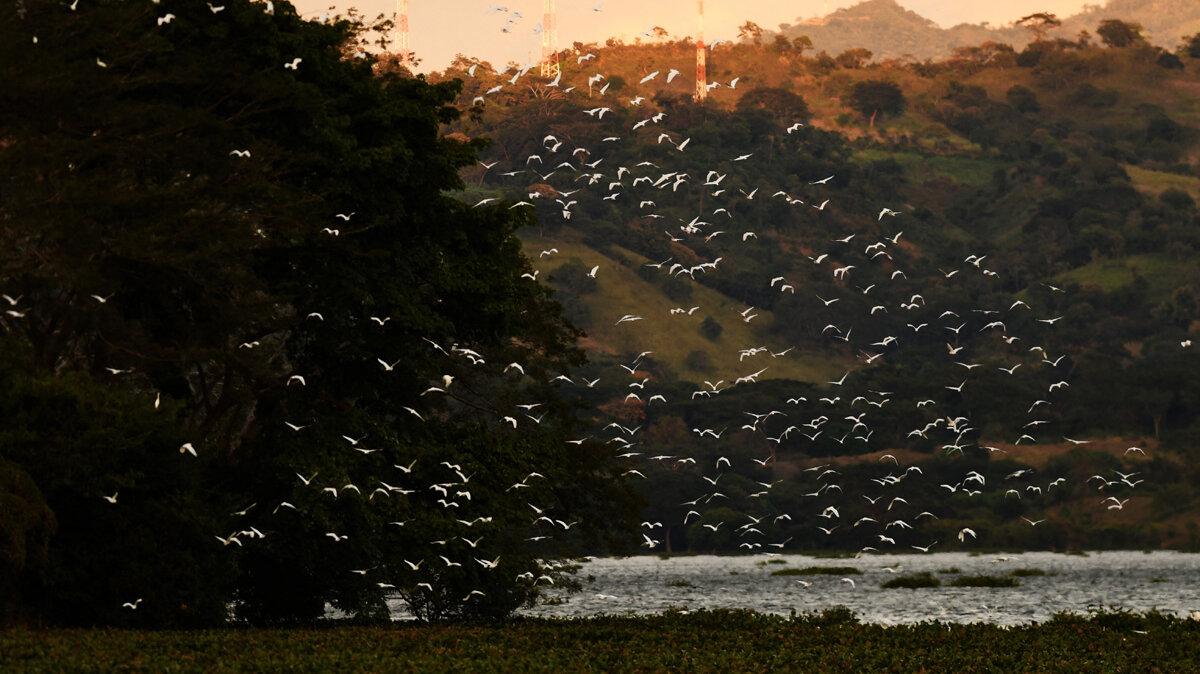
column 701, row 66
column 550, row 65
column 402, row 34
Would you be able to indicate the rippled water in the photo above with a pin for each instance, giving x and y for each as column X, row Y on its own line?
column 1137, row 581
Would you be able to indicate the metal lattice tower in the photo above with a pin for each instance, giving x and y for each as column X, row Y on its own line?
column 550, row 65
column 701, row 65
column 402, row 43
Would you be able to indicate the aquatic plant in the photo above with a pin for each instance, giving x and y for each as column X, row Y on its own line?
column 818, row 571
column 985, row 581
column 912, row 581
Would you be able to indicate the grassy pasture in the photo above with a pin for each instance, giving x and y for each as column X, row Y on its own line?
column 1156, row 182
column 1162, row 273
column 621, row 291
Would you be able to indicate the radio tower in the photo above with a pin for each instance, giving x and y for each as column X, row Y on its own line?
column 402, row 37
column 701, row 67
column 550, row 66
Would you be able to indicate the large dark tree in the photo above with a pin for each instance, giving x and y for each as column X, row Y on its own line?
column 242, row 298
column 871, row 97
column 1117, row 33
column 1039, row 23
column 1191, row 45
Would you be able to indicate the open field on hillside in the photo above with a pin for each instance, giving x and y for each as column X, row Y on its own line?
column 1162, row 273
column 620, row 291
column 1156, row 182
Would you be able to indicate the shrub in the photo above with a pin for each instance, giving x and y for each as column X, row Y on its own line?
column 677, row 289
column 1191, row 46
column 838, row 615
column 1169, row 61
column 698, row 361
column 1176, row 198
column 711, row 329
column 1022, row 98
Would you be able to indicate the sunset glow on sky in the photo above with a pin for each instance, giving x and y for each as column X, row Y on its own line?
column 439, row 29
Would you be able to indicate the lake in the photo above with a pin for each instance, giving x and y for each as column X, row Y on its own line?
column 1136, row 581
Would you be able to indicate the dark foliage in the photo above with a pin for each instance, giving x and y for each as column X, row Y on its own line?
column 233, row 259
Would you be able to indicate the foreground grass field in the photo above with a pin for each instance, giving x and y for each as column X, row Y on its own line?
column 704, row 641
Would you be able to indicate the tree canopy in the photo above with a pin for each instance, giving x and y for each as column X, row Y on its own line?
column 871, row 97
column 1117, row 33
column 255, row 354
column 1039, row 23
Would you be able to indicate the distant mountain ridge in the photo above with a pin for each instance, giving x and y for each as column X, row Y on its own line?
column 891, row 31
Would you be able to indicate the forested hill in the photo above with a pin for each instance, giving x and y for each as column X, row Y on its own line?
column 1007, row 237
column 891, row 31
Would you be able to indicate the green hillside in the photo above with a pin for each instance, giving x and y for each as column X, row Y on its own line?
column 675, row 339
column 1036, row 275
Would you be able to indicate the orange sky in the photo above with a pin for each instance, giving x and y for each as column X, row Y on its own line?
column 439, row 29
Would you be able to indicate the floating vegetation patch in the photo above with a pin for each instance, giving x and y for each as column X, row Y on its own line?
column 818, row 571
column 1027, row 572
column 985, row 581
column 912, row 581
column 950, row 569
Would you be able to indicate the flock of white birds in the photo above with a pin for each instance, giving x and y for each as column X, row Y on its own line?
column 858, row 263
column 861, row 264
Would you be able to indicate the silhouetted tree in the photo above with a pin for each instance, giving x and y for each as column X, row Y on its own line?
column 1117, row 33
column 750, row 31
column 872, row 97
column 1039, row 23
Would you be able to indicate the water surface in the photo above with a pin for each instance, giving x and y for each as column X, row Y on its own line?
column 1165, row 581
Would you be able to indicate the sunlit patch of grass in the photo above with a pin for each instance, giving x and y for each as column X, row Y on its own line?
column 1156, row 182
column 1162, row 273
column 962, row 169
column 620, row 290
